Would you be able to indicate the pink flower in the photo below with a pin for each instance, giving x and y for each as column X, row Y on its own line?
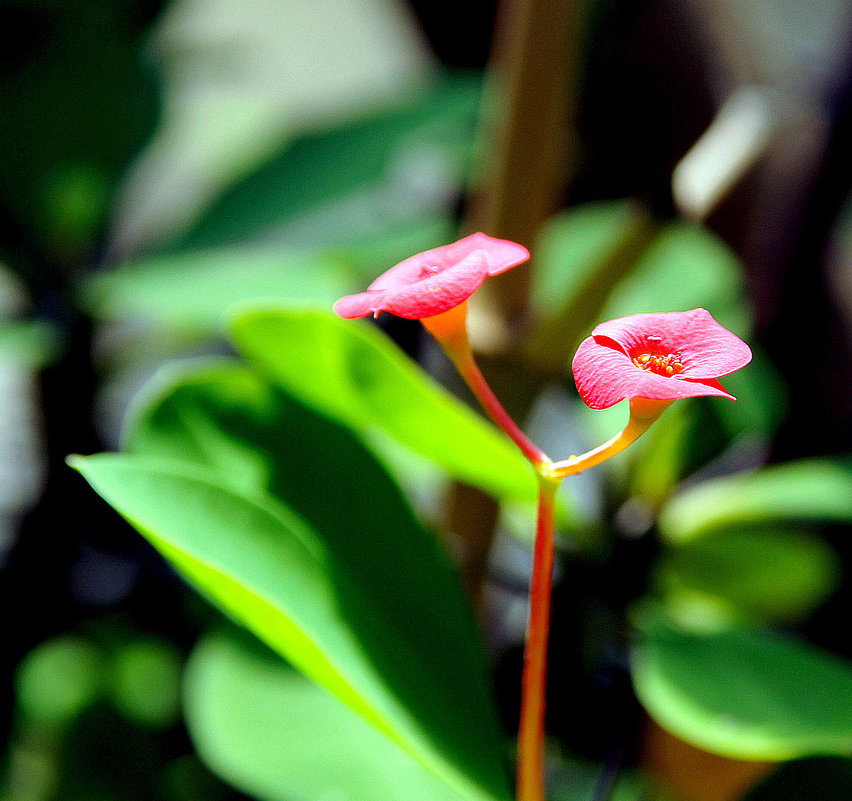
column 435, row 281
column 661, row 356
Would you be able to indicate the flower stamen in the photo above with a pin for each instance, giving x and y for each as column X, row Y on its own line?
column 665, row 365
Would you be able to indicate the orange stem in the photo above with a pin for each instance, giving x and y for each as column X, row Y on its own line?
column 530, row 775
column 643, row 413
column 469, row 371
column 450, row 331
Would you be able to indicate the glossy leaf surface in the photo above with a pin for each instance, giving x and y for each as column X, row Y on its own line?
column 750, row 574
column 353, row 373
column 745, row 694
column 273, row 734
column 818, row 490
column 229, row 480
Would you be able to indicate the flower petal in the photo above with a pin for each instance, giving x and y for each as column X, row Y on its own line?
column 707, row 349
column 360, row 305
column 606, row 375
column 499, row 254
column 440, row 292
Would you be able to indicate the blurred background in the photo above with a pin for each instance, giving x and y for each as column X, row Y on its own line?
column 163, row 161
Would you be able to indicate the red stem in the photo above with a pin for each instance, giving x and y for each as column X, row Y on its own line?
column 450, row 330
column 469, row 371
column 530, row 776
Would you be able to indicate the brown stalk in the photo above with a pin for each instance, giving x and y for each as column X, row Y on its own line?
column 527, row 142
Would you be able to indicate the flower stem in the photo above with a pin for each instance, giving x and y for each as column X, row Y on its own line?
column 643, row 413
column 450, row 331
column 530, row 774
column 469, row 371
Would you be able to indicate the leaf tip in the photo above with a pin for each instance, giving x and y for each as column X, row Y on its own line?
column 75, row 462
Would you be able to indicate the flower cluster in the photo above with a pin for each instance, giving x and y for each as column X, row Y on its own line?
column 658, row 356
column 650, row 359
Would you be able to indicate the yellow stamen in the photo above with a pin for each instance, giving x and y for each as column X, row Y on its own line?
column 667, row 365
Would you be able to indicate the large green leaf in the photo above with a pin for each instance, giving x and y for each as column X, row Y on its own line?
column 745, row 694
column 819, row 490
column 275, row 574
column 263, row 727
column 751, row 574
column 353, row 591
column 351, row 372
column 398, row 166
column 196, row 289
column 221, row 415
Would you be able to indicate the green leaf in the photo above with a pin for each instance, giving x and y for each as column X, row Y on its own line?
column 352, row 591
column 581, row 255
column 762, row 401
column 280, row 70
column 396, row 167
column 272, row 734
column 815, row 490
column 351, row 372
column 225, row 417
column 658, row 459
column 685, row 267
column 196, row 289
column 572, row 249
column 761, row 575
column 745, row 694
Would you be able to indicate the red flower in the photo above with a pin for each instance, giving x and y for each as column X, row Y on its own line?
column 435, row 281
column 661, row 356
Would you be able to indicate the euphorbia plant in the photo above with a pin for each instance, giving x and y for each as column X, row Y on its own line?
column 649, row 359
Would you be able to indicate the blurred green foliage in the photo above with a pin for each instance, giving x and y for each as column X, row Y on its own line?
column 249, row 520
column 227, row 461
column 59, row 679
column 82, row 102
column 744, row 694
